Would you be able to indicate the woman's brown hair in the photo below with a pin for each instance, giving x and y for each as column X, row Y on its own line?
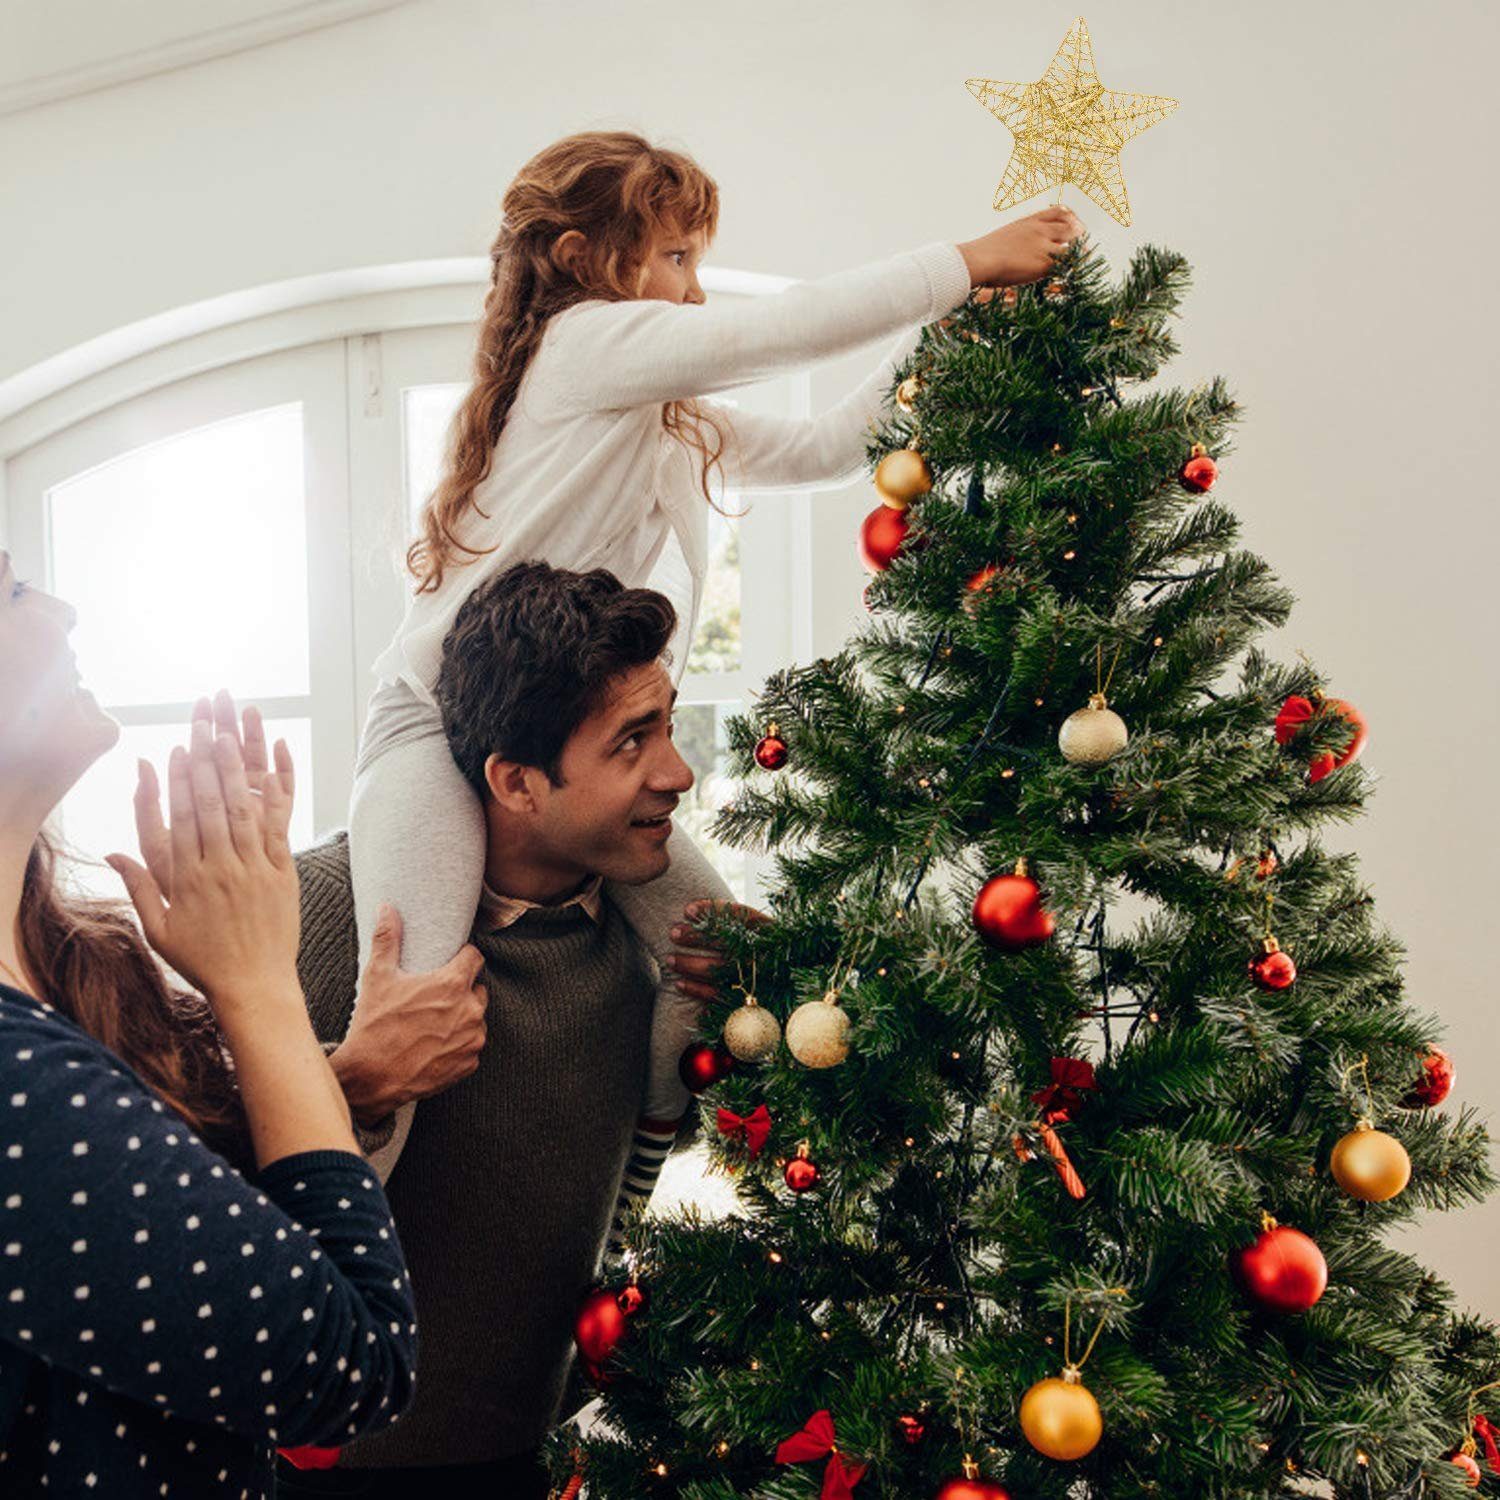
column 618, row 191
column 92, row 964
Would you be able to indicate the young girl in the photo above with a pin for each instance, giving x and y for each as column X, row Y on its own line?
column 584, row 442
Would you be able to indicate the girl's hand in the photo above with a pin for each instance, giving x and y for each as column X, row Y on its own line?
column 1022, row 250
column 226, row 918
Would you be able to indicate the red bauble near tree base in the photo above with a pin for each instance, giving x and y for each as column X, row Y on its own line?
column 704, row 1065
column 1435, row 1083
column 1283, row 1270
column 971, row 1486
column 1008, row 911
column 881, row 537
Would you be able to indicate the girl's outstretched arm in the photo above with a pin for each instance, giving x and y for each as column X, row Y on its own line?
column 606, row 355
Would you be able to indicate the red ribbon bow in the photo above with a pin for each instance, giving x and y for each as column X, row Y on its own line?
column 1071, row 1078
column 1484, row 1430
column 755, row 1127
column 817, row 1440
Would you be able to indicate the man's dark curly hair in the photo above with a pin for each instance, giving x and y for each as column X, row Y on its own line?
column 532, row 654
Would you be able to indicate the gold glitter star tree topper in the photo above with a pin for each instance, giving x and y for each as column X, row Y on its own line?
column 1068, row 128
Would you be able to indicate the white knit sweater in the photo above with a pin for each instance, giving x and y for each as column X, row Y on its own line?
column 584, row 475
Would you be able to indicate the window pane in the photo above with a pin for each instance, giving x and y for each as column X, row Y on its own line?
column 187, row 563
column 97, row 816
column 426, row 415
column 700, row 735
column 717, row 645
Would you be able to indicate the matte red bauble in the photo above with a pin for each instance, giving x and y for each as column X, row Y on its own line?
column 1197, row 475
column 881, row 537
column 771, row 751
column 1008, row 911
column 598, row 1329
column 801, row 1171
column 1435, row 1083
column 703, row 1065
column 1283, row 1270
column 1273, row 969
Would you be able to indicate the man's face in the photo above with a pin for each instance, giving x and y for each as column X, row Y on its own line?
column 621, row 780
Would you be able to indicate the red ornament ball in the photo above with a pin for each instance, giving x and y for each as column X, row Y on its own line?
column 1297, row 710
column 1197, row 475
column 703, row 1065
column 1283, row 1270
column 771, row 752
column 801, row 1173
column 598, row 1329
column 1008, row 912
column 1470, row 1465
column 310, row 1456
column 972, row 1489
column 1435, row 1083
column 911, row 1430
column 1273, row 969
column 881, row 537
column 633, row 1299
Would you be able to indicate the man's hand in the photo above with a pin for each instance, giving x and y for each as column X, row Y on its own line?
column 698, row 961
column 412, row 1035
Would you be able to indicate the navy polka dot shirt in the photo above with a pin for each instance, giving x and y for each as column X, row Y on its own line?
column 165, row 1323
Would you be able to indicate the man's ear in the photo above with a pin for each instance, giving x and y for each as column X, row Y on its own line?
column 510, row 784
column 567, row 251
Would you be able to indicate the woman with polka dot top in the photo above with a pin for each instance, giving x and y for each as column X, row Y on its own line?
column 196, row 1265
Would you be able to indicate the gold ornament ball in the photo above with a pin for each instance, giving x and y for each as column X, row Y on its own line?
column 901, row 477
column 752, row 1033
column 1061, row 1419
column 1093, row 735
column 907, row 393
column 817, row 1033
column 1370, row 1165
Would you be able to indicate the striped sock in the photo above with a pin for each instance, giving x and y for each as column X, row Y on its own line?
column 648, row 1151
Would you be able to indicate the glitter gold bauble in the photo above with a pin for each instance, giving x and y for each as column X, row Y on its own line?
column 1093, row 735
column 901, row 477
column 1370, row 1165
column 1068, row 128
column 752, row 1033
column 907, row 393
column 817, row 1033
column 1060, row 1417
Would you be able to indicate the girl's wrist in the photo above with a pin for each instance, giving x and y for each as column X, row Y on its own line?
column 258, row 1001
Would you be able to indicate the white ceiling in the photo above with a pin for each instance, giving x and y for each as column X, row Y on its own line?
column 51, row 49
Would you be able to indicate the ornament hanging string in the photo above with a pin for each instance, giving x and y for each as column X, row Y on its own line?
column 1363, row 1067
column 1068, row 1362
column 1477, row 1423
column 1103, row 682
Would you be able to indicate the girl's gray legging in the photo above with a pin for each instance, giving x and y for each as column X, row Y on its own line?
column 417, row 838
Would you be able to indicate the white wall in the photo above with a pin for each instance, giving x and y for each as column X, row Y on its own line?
column 1329, row 174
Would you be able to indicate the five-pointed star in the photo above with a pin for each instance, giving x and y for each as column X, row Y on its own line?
column 1068, row 128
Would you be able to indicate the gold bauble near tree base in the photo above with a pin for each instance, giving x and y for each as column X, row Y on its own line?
column 1093, row 735
column 901, row 477
column 817, row 1033
column 1370, row 1165
column 752, row 1033
column 1060, row 1417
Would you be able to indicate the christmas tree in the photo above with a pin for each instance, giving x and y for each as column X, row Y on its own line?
column 1099, row 1089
